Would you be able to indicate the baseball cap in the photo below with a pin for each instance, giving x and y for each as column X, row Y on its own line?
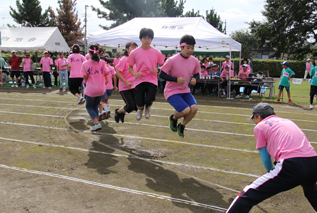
column 244, row 65
column 285, row 63
column 262, row 109
column 45, row 52
column 227, row 56
column 13, row 51
column 308, row 59
column 227, row 65
column 215, row 65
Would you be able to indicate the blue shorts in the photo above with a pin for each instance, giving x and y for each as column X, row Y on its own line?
column 280, row 87
column 109, row 92
column 105, row 96
column 181, row 101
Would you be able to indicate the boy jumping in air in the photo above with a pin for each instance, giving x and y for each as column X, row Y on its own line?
column 146, row 59
column 178, row 71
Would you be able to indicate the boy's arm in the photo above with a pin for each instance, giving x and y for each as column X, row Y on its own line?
column 136, row 74
column 163, row 75
column 118, row 73
column 266, row 159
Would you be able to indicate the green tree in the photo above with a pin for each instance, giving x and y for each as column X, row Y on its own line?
column 121, row 11
column 192, row 14
column 214, row 19
column 288, row 26
column 67, row 21
column 248, row 42
column 29, row 14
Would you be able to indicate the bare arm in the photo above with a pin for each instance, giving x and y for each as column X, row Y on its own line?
column 118, row 73
column 136, row 74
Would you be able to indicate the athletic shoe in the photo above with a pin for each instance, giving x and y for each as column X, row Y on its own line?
column 44, row 87
column 61, row 90
column 180, row 130
column 100, row 117
column 49, row 87
column 34, row 86
column 12, row 85
column 247, row 96
column 311, row 106
column 27, row 86
column 81, row 100
column 104, row 115
column 290, row 101
column 147, row 112
column 278, row 100
column 16, row 85
column 108, row 113
column 239, row 96
column 122, row 117
column 116, row 115
column 96, row 127
column 139, row 113
column 223, row 96
column 173, row 123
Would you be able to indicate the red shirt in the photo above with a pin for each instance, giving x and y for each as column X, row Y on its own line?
column 15, row 63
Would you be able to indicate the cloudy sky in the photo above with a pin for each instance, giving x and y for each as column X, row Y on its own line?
column 235, row 12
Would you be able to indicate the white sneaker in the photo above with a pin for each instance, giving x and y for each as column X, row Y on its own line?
column 139, row 113
column 247, row 96
column 50, row 88
column 81, row 100
column 12, row 85
column 44, row 87
column 16, row 85
column 147, row 112
column 239, row 96
column 316, row 106
column 34, row 86
column 311, row 106
column 27, row 86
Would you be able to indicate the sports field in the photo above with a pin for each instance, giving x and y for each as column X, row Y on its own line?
column 50, row 162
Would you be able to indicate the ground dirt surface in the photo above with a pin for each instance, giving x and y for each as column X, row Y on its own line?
column 51, row 162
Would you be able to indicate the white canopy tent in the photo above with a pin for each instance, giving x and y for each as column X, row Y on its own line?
column 33, row 38
column 167, row 33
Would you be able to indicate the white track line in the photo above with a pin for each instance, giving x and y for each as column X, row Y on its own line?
column 132, row 191
column 135, row 157
column 23, row 113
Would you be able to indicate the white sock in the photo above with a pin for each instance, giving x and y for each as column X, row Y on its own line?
column 108, row 105
column 105, row 107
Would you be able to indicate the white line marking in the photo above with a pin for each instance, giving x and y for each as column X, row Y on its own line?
column 23, row 113
column 132, row 191
column 135, row 157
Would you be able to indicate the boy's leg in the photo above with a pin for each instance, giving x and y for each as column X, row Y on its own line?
column 139, row 95
column 149, row 99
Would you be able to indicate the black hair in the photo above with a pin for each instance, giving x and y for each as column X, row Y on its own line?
column 127, row 46
column 94, row 56
column 188, row 39
column 202, row 61
column 146, row 32
column 203, row 66
column 245, row 60
column 210, row 58
column 263, row 114
column 76, row 48
column 314, row 61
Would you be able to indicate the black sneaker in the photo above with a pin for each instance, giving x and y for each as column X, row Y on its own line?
column 173, row 123
column 180, row 129
column 116, row 115
column 122, row 117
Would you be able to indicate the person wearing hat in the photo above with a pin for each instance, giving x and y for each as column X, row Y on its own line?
column 286, row 74
column 27, row 71
column 245, row 61
column 294, row 158
column 15, row 62
column 46, row 63
column 309, row 65
column 227, row 62
column 244, row 76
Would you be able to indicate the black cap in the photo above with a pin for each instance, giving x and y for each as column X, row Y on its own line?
column 262, row 109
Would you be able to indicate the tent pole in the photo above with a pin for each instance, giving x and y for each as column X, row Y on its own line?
column 229, row 81
column 240, row 59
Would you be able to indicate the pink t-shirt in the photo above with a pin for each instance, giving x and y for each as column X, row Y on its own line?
column 60, row 62
column 96, row 82
column 248, row 69
column 224, row 74
column 116, row 61
column 308, row 66
column 46, row 62
column 206, row 65
column 109, row 86
column 223, row 67
column 177, row 66
column 123, row 68
column 27, row 64
column 282, row 138
column 244, row 75
column 87, row 56
column 205, row 73
column 75, row 60
column 145, row 61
